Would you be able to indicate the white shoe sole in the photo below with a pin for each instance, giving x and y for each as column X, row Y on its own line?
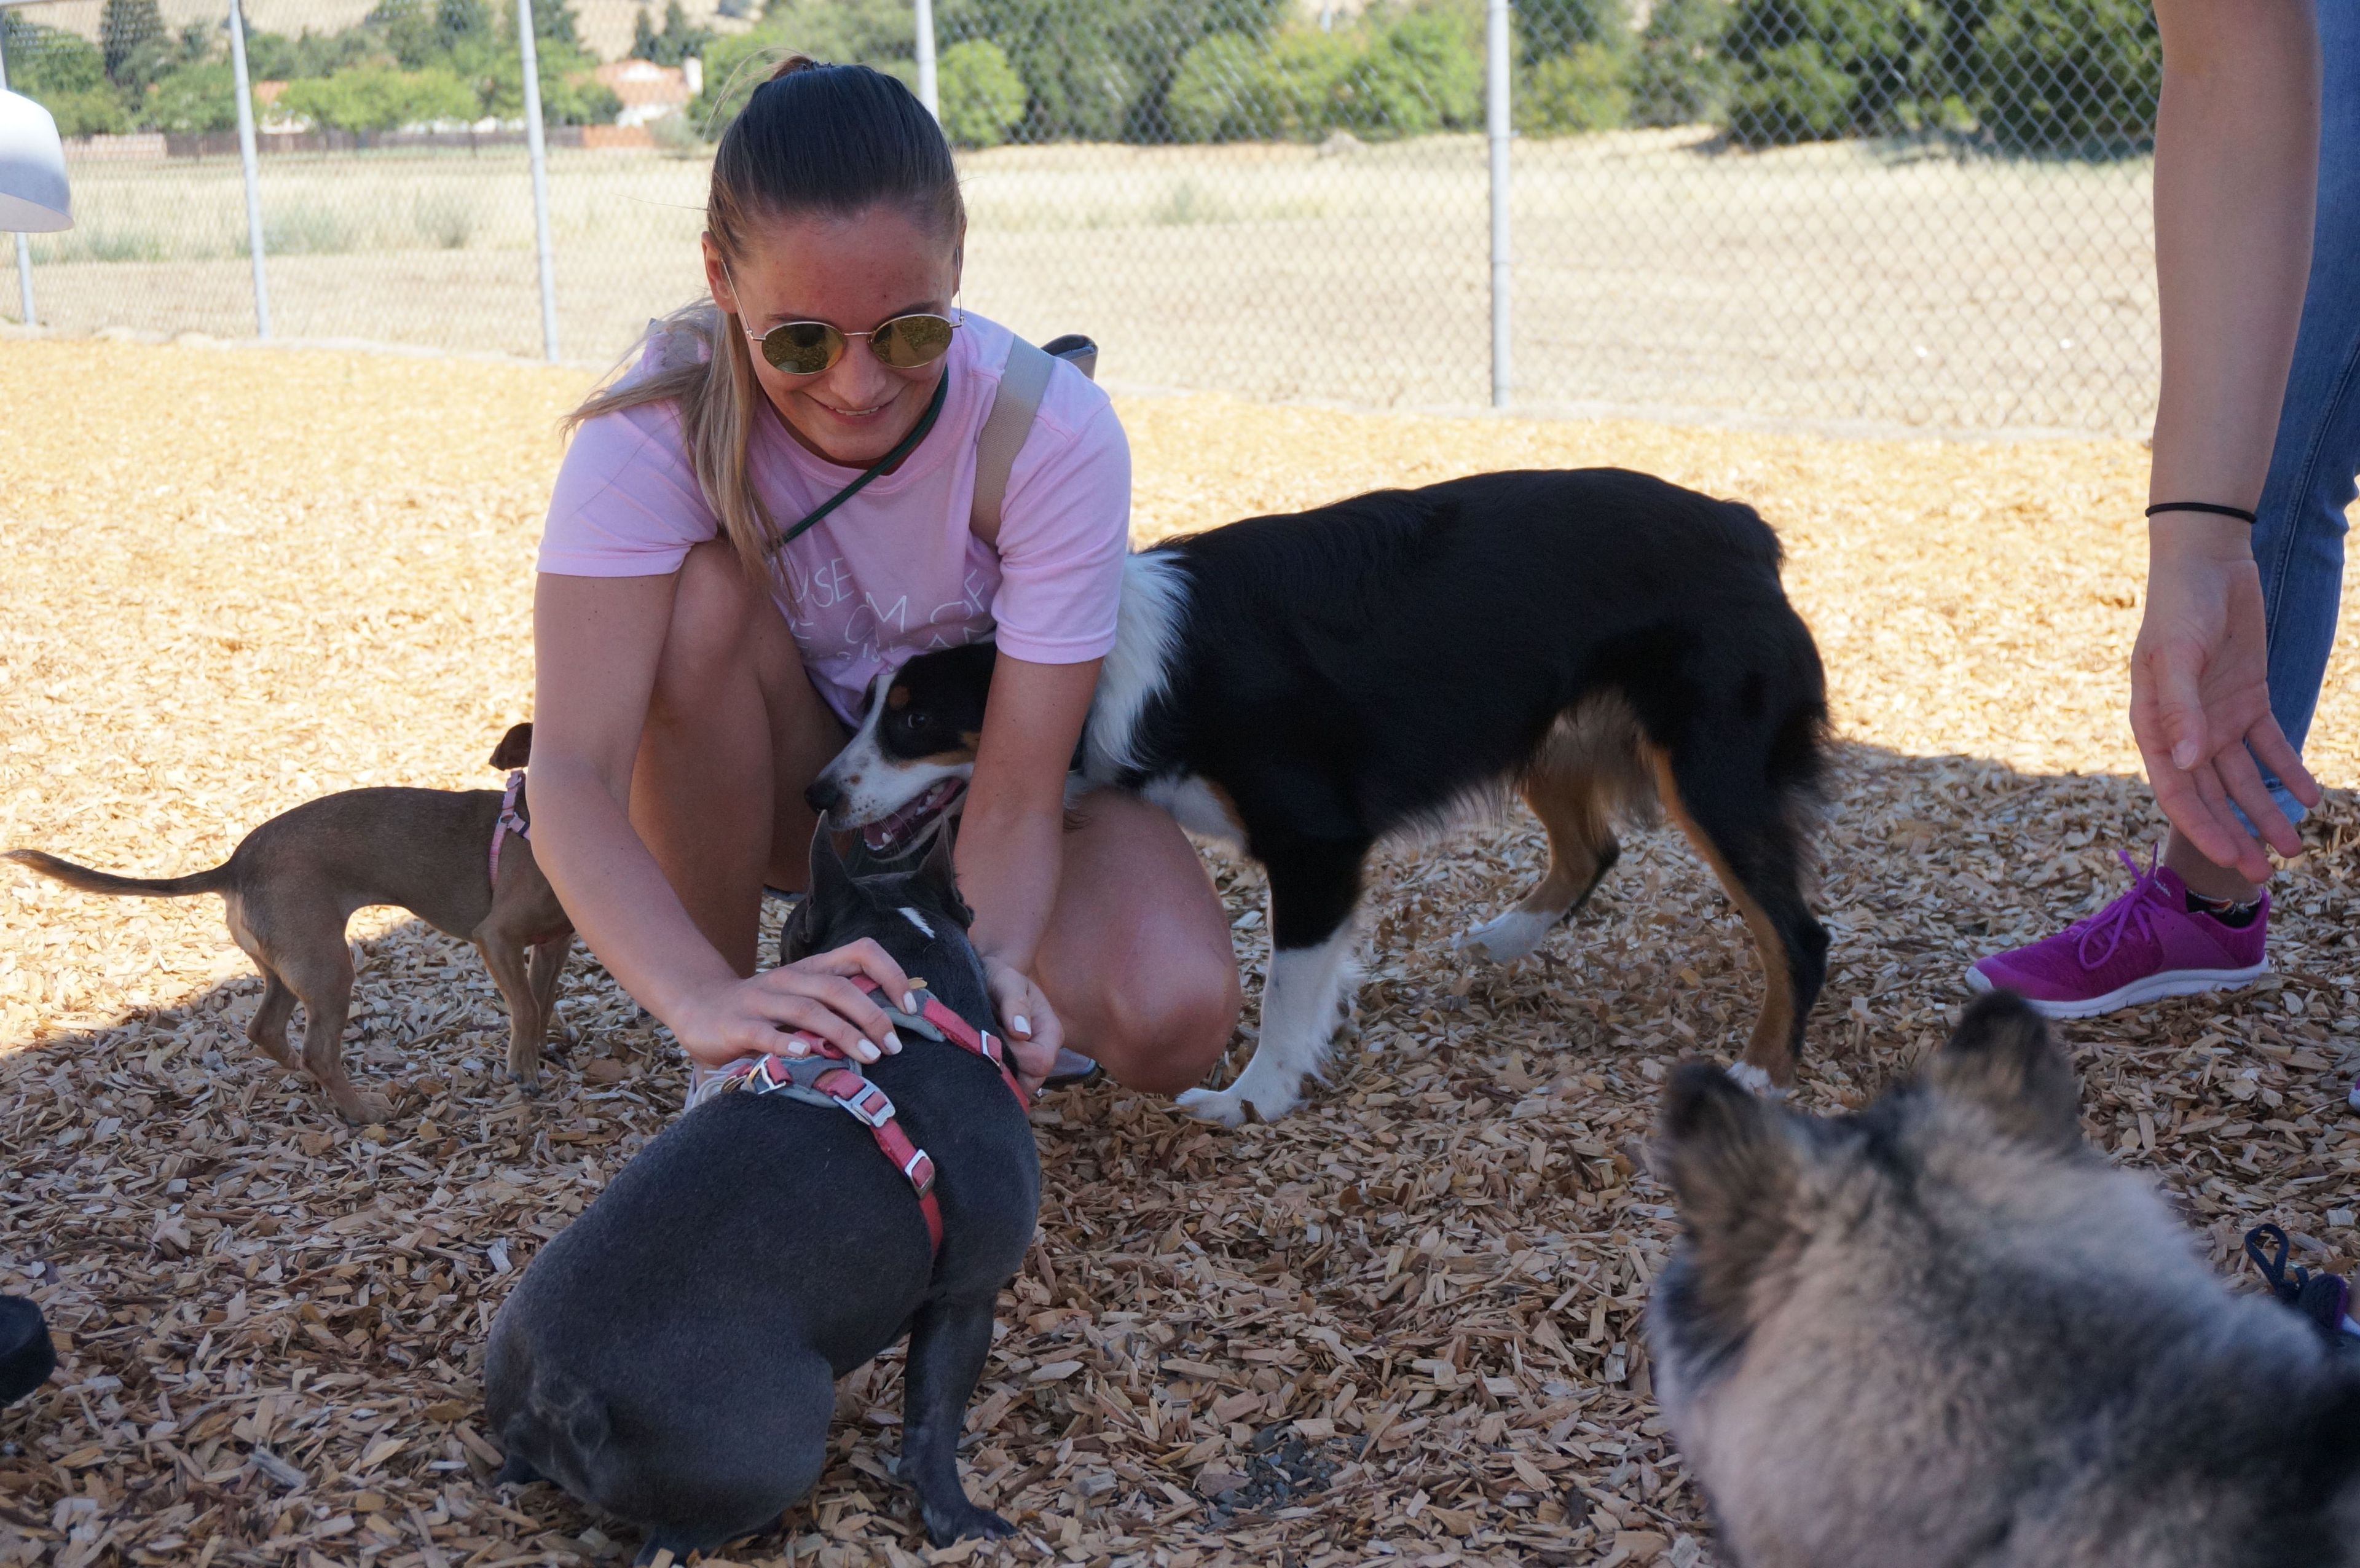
column 2154, row 989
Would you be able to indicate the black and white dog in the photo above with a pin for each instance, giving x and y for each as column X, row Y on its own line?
column 1598, row 641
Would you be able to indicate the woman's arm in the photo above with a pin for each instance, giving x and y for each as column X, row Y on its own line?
column 1011, row 843
column 595, row 641
column 2236, row 158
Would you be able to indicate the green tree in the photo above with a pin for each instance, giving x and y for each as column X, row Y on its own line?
column 643, row 35
column 374, row 98
column 201, row 97
column 128, row 31
column 1681, row 76
column 64, row 72
column 2048, row 74
column 981, row 95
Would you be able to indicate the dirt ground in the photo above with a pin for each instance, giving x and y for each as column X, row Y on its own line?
column 1401, row 1325
column 1831, row 283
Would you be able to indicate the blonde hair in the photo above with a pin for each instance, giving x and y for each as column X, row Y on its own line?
column 813, row 138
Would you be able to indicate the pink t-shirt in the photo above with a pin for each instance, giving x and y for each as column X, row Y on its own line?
column 895, row 571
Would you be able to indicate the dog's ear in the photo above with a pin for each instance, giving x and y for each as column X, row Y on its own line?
column 1726, row 1155
column 940, row 877
column 831, row 883
column 515, row 749
column 2002, row 1058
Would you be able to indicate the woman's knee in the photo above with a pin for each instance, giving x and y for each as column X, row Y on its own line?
column 1166, row 1028
column 713, row 618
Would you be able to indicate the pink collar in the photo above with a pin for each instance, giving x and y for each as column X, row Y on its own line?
column 510, row 822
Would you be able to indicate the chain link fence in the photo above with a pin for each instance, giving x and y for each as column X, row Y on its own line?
column 1923, row 212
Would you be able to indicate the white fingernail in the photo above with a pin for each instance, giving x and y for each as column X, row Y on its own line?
column 797, row 1047
column 1021, row 1024
column 893, row 1041
column 873, row 1052
column 910, row 1003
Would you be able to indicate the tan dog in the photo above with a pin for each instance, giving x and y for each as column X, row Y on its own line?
column 291, row 885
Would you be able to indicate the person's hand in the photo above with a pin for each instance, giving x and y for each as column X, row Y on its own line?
column 1035, row 1034
column 818, row 994
column 2200, row 695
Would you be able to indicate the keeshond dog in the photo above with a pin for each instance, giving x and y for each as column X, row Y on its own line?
column 1945, row 1332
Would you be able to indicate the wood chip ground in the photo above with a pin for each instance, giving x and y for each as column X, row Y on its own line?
column 1402, row 1325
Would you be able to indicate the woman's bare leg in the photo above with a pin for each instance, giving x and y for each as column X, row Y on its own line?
column 734, row 732
column 1137, row 958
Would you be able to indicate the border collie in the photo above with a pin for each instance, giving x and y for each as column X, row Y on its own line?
column 1600, row 641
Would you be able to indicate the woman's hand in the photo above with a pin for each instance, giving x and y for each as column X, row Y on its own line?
column 818, row 994
column 1035, row 1034
column 2200, row 695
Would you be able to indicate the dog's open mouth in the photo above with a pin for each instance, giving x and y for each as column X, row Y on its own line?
column 895, row 832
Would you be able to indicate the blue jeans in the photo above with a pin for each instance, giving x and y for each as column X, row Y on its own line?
column 2298, row 543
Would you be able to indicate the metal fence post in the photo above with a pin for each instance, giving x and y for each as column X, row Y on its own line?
column 928, row 93
column 536, row 147
column 24, row 247
column 1495, row 49
column 246, row 156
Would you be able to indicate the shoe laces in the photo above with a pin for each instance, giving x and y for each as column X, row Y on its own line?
column 2133, row 911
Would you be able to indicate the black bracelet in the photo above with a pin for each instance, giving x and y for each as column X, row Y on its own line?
column 2237, row 512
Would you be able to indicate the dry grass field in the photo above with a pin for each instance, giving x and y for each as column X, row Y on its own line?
column 1402, row 1325
column 1826, row 284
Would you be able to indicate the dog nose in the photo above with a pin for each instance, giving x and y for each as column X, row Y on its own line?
column 824, row 795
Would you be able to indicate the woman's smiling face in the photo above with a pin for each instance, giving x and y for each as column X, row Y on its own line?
column 852, row 272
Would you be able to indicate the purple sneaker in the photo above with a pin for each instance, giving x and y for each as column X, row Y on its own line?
column 2144, row 946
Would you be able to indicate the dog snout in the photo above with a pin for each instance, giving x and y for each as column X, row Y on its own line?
column 823, row 794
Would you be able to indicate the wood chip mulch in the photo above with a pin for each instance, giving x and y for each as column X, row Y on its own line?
column 1402, row 1325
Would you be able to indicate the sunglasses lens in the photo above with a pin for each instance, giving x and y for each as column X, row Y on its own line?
column 906, row 342
column 802, row 348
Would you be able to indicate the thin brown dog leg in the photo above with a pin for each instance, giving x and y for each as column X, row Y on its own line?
column 324, row 981
column 1571, row 803
column 268, row 1028
column 504, row 956
column 1771, row 1051
column 546, row 965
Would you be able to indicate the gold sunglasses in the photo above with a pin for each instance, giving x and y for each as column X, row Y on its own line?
column 905, row 343
column 807, row 348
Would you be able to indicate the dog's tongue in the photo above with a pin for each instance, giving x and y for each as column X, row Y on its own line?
column 883, row 836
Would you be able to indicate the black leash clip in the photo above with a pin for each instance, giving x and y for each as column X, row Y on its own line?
column 2324, row 1299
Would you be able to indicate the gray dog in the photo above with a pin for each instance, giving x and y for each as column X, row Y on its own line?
column 1944, row 1331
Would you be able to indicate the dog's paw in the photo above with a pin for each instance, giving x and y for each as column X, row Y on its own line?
column 1756, row 1082
column 946, row 1526
column 366, row 1110
column 1506, row 939
column 1233, row 1106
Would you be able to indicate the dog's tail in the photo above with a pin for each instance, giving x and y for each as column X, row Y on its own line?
column 89, row 881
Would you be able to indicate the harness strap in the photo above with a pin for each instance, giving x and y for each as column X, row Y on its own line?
column 826, row 1077
column 1022, row 383
column 510, row 822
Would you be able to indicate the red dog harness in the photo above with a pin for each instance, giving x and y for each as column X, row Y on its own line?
column 510, row 822
column 828, row 1077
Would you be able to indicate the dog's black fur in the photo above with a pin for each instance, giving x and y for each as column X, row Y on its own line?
column 1594, row 639
column 671, row 1356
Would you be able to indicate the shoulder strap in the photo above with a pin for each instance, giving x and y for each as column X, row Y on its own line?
column 1004, row 430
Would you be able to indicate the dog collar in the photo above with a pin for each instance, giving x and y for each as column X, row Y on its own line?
column 510, row 822
column 828, row 1077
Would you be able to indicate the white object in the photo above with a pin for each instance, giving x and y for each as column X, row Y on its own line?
column 33, row 195
column 245, row 159
column 538, row 149
column 1499, row 126
column 928, row 93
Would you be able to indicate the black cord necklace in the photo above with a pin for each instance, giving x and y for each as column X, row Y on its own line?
column 901, row 450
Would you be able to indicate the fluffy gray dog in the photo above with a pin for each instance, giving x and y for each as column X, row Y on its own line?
column 1944, row 1331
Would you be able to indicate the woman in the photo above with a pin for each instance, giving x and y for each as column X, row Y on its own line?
column 703, row 642
column 2257, row 442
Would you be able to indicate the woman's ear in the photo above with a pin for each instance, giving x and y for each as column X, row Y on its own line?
column 716, row 274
